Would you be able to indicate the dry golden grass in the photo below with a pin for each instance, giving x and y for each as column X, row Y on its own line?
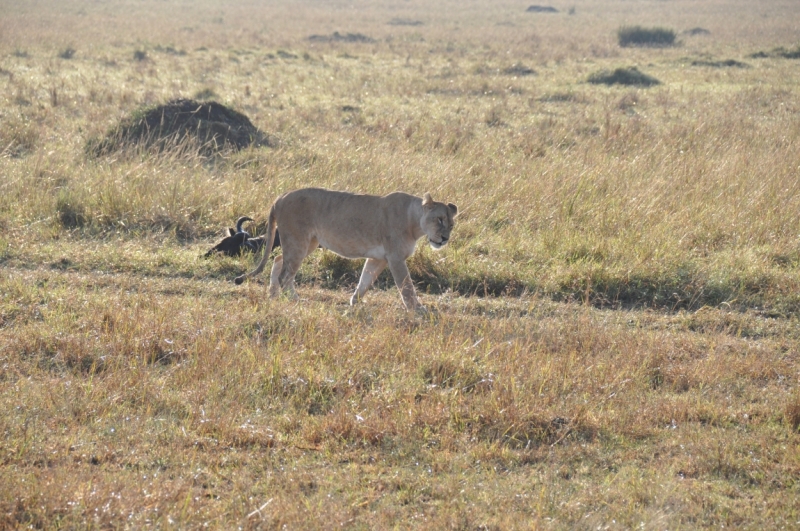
column 615, row 335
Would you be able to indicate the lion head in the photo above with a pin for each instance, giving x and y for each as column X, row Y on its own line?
column 437, row 221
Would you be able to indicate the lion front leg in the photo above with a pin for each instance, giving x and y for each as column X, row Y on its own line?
column 402, row 280
column 372, row 269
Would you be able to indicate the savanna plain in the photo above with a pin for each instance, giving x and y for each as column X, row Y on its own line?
column 613, row 339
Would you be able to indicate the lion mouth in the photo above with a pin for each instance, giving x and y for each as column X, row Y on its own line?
column 437, row 245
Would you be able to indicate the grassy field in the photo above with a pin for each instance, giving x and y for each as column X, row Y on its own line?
column 615, row 334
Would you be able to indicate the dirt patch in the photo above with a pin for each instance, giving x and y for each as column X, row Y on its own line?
column 623, row 76
column 339, row 37
column 207, row 128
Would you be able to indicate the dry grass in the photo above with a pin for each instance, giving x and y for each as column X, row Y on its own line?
column 615, row 337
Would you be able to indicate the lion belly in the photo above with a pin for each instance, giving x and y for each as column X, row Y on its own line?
column 353, row 249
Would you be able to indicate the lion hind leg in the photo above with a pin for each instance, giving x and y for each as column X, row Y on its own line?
column 285, row 277
column 372, row 269
column 274, row 277
column 292, row 258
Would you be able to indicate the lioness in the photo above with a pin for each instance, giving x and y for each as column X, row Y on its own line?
column 384, row 230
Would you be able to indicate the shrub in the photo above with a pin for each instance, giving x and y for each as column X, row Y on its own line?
column 639, row 36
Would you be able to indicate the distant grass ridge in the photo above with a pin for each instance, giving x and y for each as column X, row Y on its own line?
column 651, row 37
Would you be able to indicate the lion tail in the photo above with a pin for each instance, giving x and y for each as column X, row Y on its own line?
column 272, row 226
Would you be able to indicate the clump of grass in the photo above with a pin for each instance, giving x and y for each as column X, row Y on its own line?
column 341, row 37
column 727, row 63
column 792, row 412
column 697, row 31
column 541, row 9
column 788, row 54
column 171, row 50
column 630, row 76
column 70, row 210
column 494, row 116
column 18, row 137
column 651, row 37
column 205, row 94
column 561, row 97
column 519, row 70
column 780, row 52
column 67, row 53
column 337, row 272
column 397, row 21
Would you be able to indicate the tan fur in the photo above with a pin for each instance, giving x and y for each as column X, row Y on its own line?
column 384, row 230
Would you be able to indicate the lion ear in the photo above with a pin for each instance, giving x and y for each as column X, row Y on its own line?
column 453, row 209
column 427, row 199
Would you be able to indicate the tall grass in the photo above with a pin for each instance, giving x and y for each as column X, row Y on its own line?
column 614, row 329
